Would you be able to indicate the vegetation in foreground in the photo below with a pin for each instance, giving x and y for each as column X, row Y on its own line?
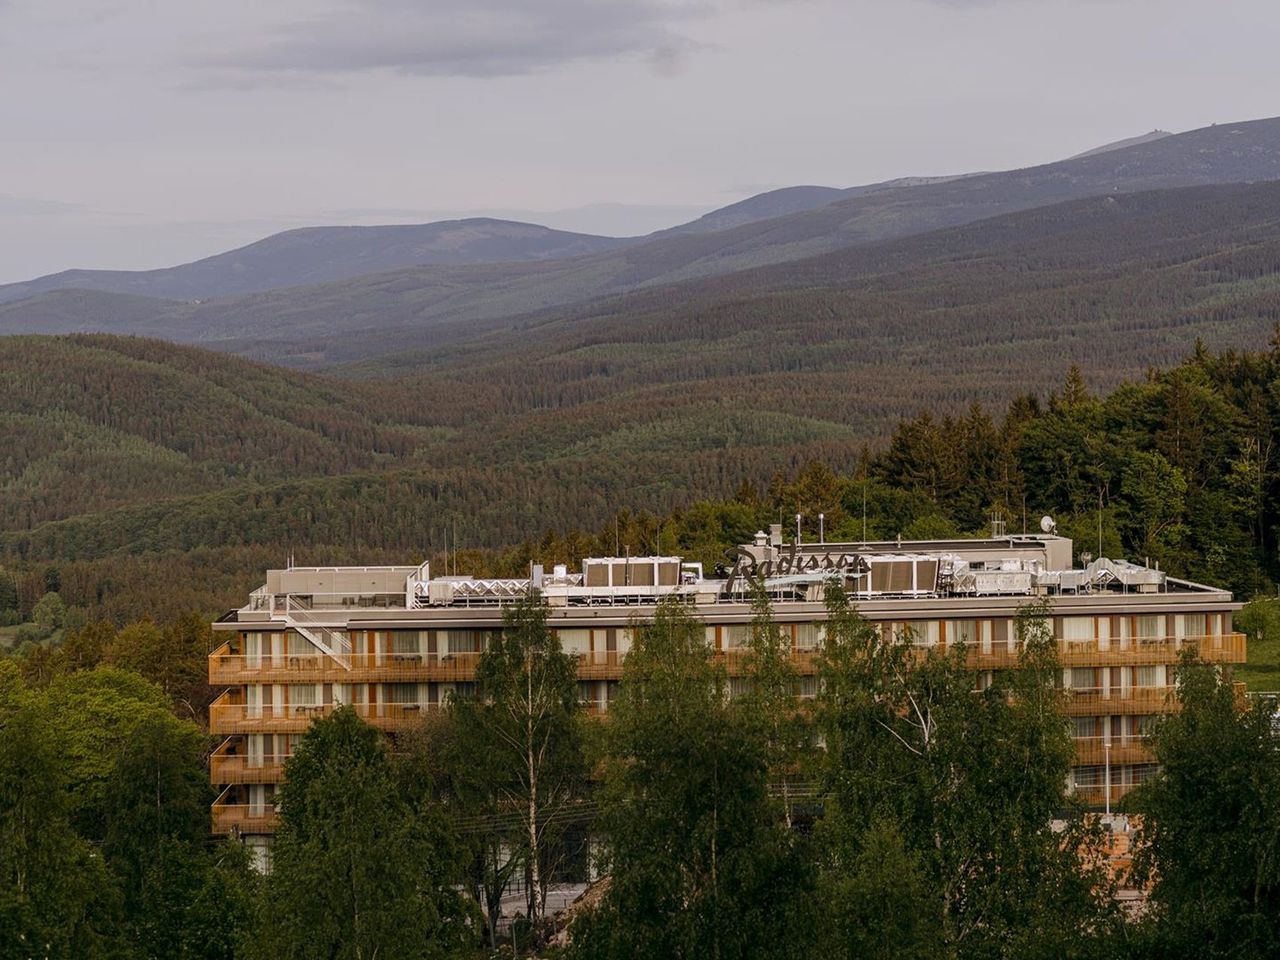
column 922, row 827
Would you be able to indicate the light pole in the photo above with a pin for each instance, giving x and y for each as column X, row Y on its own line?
column 1106, row 751
column 822, row 530
column 797, row 529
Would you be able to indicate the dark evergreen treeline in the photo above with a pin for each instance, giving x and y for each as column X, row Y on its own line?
column 900, row 814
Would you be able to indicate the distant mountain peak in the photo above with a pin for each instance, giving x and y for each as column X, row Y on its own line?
column 1151, row 137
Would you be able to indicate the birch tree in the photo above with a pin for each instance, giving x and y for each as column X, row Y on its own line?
column 525, row 720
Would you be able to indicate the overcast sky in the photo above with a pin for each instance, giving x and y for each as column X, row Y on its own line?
column 140, row 133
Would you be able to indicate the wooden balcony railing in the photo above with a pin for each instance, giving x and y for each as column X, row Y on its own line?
column 1095, row 751
column 1096, row 796
column 226, row 716
column 1093, row 702
column 227, row 768
column 243, row 818
column 228, row 669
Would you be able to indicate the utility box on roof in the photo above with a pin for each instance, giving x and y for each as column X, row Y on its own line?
column 631, row 572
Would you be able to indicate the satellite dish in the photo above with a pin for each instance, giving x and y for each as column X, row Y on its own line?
column 1047, row 524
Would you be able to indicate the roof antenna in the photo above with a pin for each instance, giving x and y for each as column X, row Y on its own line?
column 1099, row 521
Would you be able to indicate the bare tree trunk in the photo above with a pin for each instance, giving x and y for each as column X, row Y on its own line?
column 536, row 900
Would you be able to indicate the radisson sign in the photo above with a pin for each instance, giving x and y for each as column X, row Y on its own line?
column 749, row 565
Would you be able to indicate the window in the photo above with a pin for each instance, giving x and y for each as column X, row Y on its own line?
column 406, row 641
column 297, row 645
column 1084, row 678
column 1077, row 628
column 962, row 631
column 1193, row 625
column 401, row 692
column 739, row 686
column 1142, row 772
column 737, row 635
column 1085, row 727
column 463, row 641
column 809, row 636
column 1088, row 776
column 575, row 640
column 303, row 694
column 1143, row 725
column 1147, row 676
column 1150, row 628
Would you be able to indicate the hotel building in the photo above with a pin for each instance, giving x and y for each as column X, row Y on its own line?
column 394, row 642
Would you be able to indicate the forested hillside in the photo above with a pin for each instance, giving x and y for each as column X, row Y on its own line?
column 93, row 422
column 135, row 463
column 1180, row 468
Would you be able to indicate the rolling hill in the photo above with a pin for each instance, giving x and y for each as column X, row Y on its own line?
column 96, row 422
column 663, row 393
column 323, row 254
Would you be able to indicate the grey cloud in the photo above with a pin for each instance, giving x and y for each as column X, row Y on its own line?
column 475, row 38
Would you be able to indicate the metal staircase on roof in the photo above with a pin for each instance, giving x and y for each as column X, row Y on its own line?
column 329, row 640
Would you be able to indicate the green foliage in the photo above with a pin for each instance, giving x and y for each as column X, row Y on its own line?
column 8, row 593
column 879, row 902
column 772, row 705
column 93, row 715
column 960, row 784
column 1259, row 621
column 180, row 900
column 700, row 866
column 49, row 612
column 525, row 719
column 1210, row 823
column 356, row 871
column 56, row 898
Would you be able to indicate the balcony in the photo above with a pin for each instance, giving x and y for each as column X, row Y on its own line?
column 243, row 818
column 227, row 668
column 230, row 669
column 227, row 768
column 1226, row 648
column 1094, row 751
column 227, row 716
column 1096, row 702
column 1096, row 796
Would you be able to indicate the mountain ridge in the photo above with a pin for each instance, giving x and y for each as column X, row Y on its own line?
column 309, row 255
column 410, row 303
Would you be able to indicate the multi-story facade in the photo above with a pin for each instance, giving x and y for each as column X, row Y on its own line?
column 394, row 642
